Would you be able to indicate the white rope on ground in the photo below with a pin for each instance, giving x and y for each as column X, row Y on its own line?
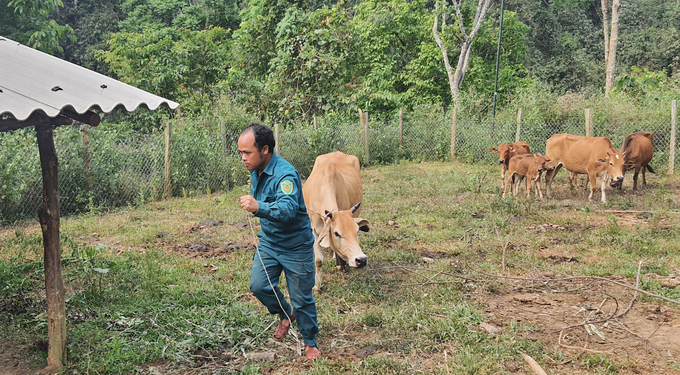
column 290, row 322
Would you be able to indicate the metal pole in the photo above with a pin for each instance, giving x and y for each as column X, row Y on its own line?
column 498, row 60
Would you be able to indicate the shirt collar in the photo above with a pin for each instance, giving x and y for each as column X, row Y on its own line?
column 269, row 169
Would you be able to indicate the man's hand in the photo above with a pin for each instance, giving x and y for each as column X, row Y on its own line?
column 249, row 203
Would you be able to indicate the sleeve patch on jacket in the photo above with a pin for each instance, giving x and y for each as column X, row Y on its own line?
column 287, row 187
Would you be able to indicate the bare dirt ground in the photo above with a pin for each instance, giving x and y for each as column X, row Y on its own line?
column 13, row 360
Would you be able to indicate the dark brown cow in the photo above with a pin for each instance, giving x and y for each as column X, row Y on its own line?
column 529, row 166
column 638, row 151
column 505, row 152
column 593, row 156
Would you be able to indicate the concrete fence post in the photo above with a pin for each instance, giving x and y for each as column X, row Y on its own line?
column 453, row 133
column 277, row 139
column 168, row 177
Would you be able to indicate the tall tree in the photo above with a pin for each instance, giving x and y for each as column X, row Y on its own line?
column 456, row 78
column 610, row 60
column 29, row 22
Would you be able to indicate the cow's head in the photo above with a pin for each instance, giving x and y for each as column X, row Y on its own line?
column 340, row 234
column 542, row 163
column 504, row 151
column 615, row 162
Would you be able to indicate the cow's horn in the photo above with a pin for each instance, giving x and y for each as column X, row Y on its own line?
column 329, row 214
column 356, row 207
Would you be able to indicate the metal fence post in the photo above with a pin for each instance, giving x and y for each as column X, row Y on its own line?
column 519, row 123
column 589, row 122
column 168, row 182
column 674, row 124
column 453, row 133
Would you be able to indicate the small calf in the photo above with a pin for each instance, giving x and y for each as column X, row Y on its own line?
column 529, row 166
column 506, row 152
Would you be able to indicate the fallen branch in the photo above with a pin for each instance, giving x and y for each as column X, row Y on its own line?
column 637, row 284
column 535, row 367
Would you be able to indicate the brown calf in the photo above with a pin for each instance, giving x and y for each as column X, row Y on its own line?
column 506, row 152
column 638, row 151
column 529, row 166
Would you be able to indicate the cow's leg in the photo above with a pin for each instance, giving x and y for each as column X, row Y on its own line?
column 318, row 262
column 505, row 188
column 592, row 178
column 549, row 175
column 635, row 176
column 503, row 182
column 528, row 192
column 644, row 179
column 538, row 187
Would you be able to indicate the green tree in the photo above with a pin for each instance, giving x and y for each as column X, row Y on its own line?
column 28, row 22
column 182, row 65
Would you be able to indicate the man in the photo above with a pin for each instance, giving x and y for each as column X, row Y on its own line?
column 285, row 239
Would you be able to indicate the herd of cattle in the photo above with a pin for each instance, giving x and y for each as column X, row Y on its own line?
column 593, row 156
column 333, row 191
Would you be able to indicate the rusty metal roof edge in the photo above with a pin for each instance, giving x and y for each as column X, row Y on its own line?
column 32, row 81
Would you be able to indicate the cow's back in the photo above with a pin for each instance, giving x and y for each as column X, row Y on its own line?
column 338, row 175
column 638, row 147
column 576, row 152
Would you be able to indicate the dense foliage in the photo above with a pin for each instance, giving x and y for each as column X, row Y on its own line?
column 291, row 60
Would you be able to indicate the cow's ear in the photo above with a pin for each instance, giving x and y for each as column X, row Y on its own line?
column 362, row 223
column 324, row 241
column 495, row 149
column 603, row 160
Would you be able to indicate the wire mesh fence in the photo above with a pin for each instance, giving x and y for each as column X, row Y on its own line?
column 101, row 169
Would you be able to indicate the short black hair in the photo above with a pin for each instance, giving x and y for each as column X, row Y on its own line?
column 263, row 136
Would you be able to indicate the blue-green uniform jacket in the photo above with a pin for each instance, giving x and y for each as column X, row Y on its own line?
column 285, row 225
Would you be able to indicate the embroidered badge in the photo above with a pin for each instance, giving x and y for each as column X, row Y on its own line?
column 287, row 187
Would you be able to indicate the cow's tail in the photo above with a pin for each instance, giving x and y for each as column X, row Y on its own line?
column 649, row 168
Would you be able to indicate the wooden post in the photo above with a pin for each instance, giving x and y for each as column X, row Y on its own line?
column 49, row 223
column 225, row 154
column 364, row 121
column 314, row 122
column 674, row 125
column 277, row 141
column 401, row 128
column 85, row 134
column 519, row 124
column 589, row 122
column 453, row 133
column 168, row 179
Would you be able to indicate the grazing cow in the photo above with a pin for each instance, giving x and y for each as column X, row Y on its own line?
column 333, row 195
column 506, row 152
column 593, row 156
column 638, row 151
column 529, row 166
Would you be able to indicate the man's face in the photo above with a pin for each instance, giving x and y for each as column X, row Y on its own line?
column 251, row 157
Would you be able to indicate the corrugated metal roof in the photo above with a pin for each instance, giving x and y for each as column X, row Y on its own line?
column 31, row 81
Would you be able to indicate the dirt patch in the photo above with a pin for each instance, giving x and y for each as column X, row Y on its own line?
column 578, row 320
column 12, row 359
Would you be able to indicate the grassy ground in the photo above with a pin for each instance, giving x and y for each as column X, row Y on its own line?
column 151, row 290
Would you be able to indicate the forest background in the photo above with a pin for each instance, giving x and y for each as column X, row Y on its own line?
column 287, row 61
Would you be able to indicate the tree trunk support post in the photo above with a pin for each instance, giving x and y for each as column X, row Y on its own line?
column 277, row 139
column 674, row 125
column 589, row 122
column 454, row 120
column 49, row 223
column 519, row 124
column 364, row 121
column 168, row 177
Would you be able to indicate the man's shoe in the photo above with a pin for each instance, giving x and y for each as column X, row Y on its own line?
column 282, row 330
column 312, row 352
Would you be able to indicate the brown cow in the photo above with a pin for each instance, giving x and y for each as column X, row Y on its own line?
column 638, row 151
column 505, row 152
column 593, row 156
column 529, row 166
column 333, row 195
